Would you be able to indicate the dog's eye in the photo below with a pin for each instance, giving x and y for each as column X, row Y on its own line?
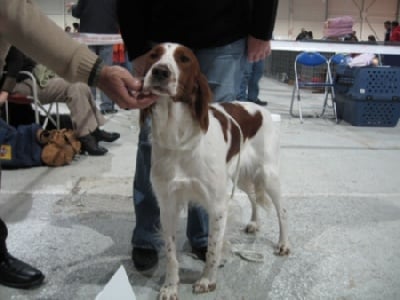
column 183, row 58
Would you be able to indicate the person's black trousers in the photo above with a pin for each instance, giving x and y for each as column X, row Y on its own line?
column 3, row 237
column 3, row 233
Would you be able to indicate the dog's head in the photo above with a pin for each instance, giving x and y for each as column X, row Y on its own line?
column 173, row 70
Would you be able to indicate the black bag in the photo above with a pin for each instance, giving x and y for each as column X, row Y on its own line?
column 19, row 147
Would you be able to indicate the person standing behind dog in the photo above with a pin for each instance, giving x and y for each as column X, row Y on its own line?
column 98, row 17
column 250, row 83
column 217, row 32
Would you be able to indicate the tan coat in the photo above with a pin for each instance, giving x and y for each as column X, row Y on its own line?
column 23, row 24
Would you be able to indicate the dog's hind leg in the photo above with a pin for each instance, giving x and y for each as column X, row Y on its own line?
column 253, row 226
column 217, row 223
column 169, row 219
column 273, row 191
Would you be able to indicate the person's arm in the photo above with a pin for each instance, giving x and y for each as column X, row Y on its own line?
column 71, row 60
column 50, row 45
column 262, row 22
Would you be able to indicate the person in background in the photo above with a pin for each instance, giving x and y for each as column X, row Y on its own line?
column 76, row 26
column 98, row 17
column 395, row 32
column 252, row 73
column 304, row 35
column 86, row 118
column 388, row 28
column 71, row 60
column 217, row 32
column 371, row 38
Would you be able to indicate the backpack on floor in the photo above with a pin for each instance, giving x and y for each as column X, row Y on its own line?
column 19, row 147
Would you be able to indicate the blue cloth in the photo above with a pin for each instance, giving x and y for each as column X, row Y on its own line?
column 251, row 75
column 221, row 65
column 105, row 52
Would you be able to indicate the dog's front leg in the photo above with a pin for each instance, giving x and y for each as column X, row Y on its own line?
column 169, row 219
column 217, row 223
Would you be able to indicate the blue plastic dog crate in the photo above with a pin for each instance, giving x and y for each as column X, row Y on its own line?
column 368, row 96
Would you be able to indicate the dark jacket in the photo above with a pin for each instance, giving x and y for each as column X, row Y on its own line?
column 195, row 24
column 16, row 61
column 96, row 16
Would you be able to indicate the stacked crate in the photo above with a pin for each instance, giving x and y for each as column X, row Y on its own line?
column 368, row 96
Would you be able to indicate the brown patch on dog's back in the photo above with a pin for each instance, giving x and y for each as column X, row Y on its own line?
column 222, row 120
column 249, row 124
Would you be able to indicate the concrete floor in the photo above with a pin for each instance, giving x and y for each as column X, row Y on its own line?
column 342, row 189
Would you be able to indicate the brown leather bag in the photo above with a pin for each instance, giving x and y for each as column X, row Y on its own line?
column 60, row 146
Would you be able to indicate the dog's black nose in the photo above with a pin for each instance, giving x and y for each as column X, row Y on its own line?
column 161, row 72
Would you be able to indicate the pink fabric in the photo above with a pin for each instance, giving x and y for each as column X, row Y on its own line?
column 335, row 32
column 340, row 22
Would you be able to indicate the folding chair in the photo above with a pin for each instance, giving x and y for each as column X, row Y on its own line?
column 312, row 71
column 333, row 61
column 35, row 102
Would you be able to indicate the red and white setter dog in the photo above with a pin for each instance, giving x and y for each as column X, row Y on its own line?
column 197, row 148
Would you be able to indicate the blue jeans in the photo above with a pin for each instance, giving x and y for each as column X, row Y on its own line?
column 105, row 52
column 251, row 75
column 221, row 65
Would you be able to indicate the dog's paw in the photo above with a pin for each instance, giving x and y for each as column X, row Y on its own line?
column 252, row 227
column 169, row 292
column 203, row 285
column 282, row 249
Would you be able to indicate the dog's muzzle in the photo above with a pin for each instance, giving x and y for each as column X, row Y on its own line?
column 160, row 73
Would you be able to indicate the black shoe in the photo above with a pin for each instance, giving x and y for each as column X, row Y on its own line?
column 108, row 111
column 89, row 145
column 104, row 136
column 144, row 259
column 15, row 273
column 260, row 102
column 201, row 252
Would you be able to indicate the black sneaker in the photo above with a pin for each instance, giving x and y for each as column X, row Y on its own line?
column 18, row 274
column 108, row 111
column 90, row 145
column 104, row 136
column 144, row 259
column 260, row 102
column 201, row 252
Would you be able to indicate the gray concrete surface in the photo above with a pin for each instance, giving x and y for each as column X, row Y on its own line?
column 340, row 183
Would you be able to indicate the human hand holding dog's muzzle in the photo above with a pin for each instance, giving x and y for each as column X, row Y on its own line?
column 124, row 89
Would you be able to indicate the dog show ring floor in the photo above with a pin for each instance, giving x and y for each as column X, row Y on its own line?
column 340, row 184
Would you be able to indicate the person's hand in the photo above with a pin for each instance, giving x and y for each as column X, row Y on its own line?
column 3, row 97
column 257, row 49
column 118, row 84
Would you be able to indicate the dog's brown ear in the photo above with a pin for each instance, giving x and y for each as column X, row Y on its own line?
column 203, row 99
